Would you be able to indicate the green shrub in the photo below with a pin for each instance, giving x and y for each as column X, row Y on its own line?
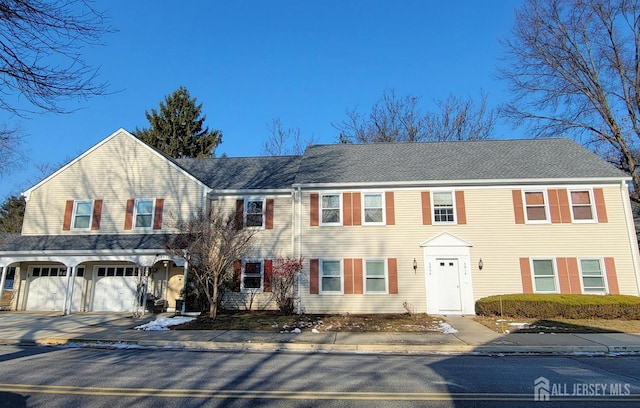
column 539, row 306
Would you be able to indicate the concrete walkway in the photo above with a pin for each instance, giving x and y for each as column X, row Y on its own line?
column 116, row 330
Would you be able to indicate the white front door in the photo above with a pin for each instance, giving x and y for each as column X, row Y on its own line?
column 448, row 283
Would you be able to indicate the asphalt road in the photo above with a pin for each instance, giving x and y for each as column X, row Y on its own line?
column 65, row 377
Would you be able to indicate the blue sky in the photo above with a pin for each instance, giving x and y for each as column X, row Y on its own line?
column 251, row 61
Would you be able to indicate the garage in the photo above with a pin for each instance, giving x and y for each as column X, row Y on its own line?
column 46, row 288
column 115, row 288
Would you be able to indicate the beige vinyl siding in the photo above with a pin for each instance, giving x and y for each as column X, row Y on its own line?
column 118, row 170
column 491, row 230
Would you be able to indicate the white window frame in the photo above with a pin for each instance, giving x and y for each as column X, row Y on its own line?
column 243, row 289
column 246, row 212
column 545, row 196
column 602, row 271
column 321, row 209
column 382, row 208
column 593, row 219
column 135, row 213
column 386, row 277
column 75, row 214
column 556, row 281
column 433, row 207
column 320, row 276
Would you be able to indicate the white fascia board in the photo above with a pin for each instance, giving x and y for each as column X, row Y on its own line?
column 238, row 192
column 485, row 182
column 54, row 252
column 27, row 193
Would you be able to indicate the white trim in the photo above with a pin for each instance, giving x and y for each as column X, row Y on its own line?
column 603, row 272
column 134, row 219
column 340, row 209
column 385, row 263
column 245, row 212
column 74, row 214
column 121, row 131
column 545, row 196
column 320, row 275
column 243, row 192
column 631, row 232
column 382, row 208
column 242, row 276
column 554, row 265
column 592, row 205
column 453, row 206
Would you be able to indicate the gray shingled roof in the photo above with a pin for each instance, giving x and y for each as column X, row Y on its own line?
column 238, row 173
column 22, row 243
column 452, row 161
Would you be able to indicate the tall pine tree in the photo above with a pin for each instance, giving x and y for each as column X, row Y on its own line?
column 177, row 129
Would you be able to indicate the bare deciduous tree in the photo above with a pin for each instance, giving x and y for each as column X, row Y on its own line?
column 284, row 142
column 211, row 241
column 395, row 119
column 573, row 67
column 10, row 149
column 40, row 53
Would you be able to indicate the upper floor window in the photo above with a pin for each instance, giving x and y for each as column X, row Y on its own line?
column 330, row 277
column 535, row 206
column 544, row 276
column 373, row 208
column 581, row 205
column 375, row 276
column 143, row 213
column 330, row 209
column 443, row 208
column 82, row 212
column 593, row 280
column 254, row 212
column 252, row 276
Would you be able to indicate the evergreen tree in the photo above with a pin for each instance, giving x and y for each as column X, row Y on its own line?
column 11, row 214
column 178, row 128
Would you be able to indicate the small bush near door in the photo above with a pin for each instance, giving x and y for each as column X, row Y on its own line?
column 556, row 305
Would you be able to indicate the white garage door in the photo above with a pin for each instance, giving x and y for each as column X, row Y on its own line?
column 115, row 289
column 47, row 288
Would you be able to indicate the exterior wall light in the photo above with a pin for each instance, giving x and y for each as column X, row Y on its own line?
column 415, row 265
column 480, row 264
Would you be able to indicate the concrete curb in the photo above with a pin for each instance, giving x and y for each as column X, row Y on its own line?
column 337, row 348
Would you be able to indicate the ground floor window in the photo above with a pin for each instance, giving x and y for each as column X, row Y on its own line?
column 252, row 276
column 544, row 276
column 331, row 277
column 592, row 273
column 375, row 276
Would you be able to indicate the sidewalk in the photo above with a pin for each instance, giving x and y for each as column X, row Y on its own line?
column 116, row 330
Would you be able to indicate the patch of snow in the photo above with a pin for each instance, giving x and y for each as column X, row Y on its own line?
column 446, row 328
column 163, row 323
column 315, row 331
column 296, row 331
column 519, row 325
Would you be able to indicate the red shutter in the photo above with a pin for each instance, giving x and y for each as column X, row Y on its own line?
column 356, row 208
column 565, row 209
column 237, row 275
column 348, row 276
column 393, row 275
column 128, row 218
column 612, row 277
column 313, row 209
column 268, row 275
column 518, row 209
column 460, row 209
column 68, row 211
column 239, row 221
column 157, row 215
column 97, row 214
column 313, row 277
column 601, row 209
column 347, row 214
column 426, row 208
column 268, row 224
column 554, row 206
column 574, row 275
column 563, row 276
column 357, row 277
column 525, row 272
column 390, row 208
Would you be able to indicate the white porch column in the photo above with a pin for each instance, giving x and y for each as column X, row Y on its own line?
column 71, row 283
column 184, row 286
column 2, row 279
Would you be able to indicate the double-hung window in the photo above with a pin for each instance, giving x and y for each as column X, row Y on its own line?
column 375, row 276
column 254, row 212
column 82, row 213
column 593, row 281
column 581, row 205
column 330, row 209
column 373, row 208
column 544, row 276
column 443, row 208
column 143, row 213
column 252, row 276
column 535, row 206
column 330, row 277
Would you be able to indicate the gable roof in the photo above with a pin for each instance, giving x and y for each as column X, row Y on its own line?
column 470, row 161
column 244, row 173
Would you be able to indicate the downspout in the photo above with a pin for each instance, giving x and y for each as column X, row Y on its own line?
column 299, row 247
column 293, row 222
column 631, row 229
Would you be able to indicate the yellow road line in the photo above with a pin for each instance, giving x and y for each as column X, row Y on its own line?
column 291, row 395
